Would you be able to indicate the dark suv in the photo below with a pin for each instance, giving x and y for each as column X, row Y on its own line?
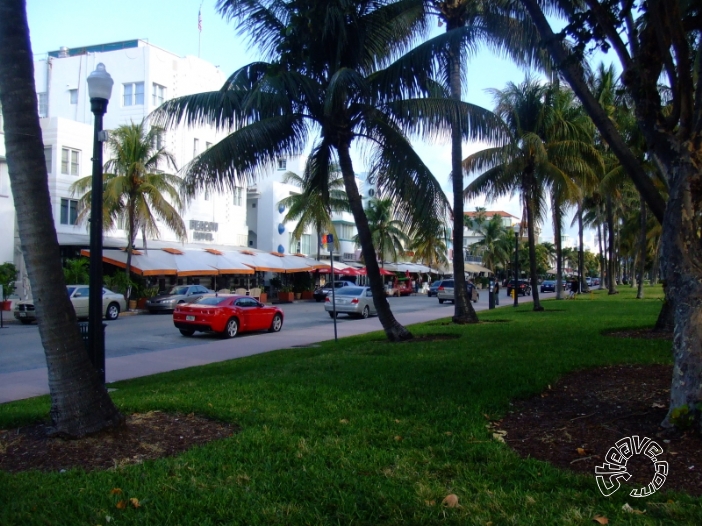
column 434, row 287
column 321, row 293
column 524, row 288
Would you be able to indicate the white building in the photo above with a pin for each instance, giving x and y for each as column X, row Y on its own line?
column 7, row 207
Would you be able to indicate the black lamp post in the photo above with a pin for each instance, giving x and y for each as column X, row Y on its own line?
column 99, row 88
column 516, row 228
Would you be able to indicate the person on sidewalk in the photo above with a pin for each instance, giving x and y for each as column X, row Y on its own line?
column 573, row 289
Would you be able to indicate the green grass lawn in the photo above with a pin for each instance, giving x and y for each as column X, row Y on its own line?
column 320, row 440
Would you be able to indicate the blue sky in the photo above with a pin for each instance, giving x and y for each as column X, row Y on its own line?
column 172, row 25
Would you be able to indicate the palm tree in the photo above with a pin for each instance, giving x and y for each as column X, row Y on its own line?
column 387, row 231
column 502, row 24
column 429, row 245
column 544, row 147
column 495, row 246
column 314, row 206
column 79, row 401
column 326, row 75
column 134, row 189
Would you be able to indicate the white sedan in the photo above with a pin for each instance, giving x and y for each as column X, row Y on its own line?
column 112, row 304
column 354, row 301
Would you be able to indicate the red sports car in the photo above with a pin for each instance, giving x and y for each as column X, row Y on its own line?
column 227, row 315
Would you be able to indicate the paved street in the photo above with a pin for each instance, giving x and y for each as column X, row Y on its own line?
column 138, row 345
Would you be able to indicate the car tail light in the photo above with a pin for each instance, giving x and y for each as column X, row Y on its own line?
column 440, row 288
column 354, row 301
column 328, row 299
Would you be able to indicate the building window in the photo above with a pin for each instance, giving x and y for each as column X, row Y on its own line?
column 159, row 94
column 133, row 94
column 208, row 145
column 344, row 232
column 70, row 161
column 43, row 103
column 196, row 147
column 238, row 195
column 157, row 142
column 207, row 195
column 69, row 211
column 48, row 159
column 73, row 96
column 282, row 164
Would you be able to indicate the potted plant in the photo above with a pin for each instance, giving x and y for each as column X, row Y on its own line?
column 303, row 285
column 8, row 276
column 285, row 294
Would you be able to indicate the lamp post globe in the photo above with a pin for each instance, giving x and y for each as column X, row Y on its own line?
column 99, row 89
column 516, row 228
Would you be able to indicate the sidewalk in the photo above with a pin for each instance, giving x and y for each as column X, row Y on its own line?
column 34, row 382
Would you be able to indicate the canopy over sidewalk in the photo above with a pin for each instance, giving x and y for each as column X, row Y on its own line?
column 206, row 262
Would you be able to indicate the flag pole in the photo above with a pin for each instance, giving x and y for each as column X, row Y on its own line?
column 199, row 28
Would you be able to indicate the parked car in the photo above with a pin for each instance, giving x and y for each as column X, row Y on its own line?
column 595, row 282
column 167, row 301
column 548, row 286
column 434, row 287
column 354, row 301
column 321, row 292
column 524, row 288
column 112, row 304
column 227, row 315
column 400, row 287
column 446, row 290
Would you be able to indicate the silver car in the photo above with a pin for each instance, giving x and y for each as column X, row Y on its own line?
column 167, row 301
column 354, row 301
column 445, row 292
column 112, row 304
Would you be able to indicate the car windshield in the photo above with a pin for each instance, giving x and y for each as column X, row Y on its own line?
column 350, row 291
column 211, row 300
column 447, row 284
column 70, row 291
column 178, row 290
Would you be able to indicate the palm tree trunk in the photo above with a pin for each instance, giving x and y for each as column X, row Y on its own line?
column 642, row 250
column 463, row 308
column 393, row 329
column 557, row 225
column 79, row 402
column 611, row 268
column 602, row 256
column 581, row 249
column 527, row 192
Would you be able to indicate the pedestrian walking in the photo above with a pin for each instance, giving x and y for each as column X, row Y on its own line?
column 573, row 289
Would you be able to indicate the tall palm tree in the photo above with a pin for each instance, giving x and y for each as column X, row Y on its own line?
column 330, row 71
column 135, row 190
column 544, row 147
column 79, row 401
column 387, row 231
column 502, row 25
column 313, row 207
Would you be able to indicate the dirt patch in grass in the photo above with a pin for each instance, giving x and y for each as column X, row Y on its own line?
column 573, row 424
column 647, row 334
column 145, row 436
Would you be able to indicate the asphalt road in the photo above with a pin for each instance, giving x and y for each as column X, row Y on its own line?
column 21, row 349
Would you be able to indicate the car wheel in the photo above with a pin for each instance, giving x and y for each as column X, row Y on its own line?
column 276, row 324
column 366, row 312
column 440, row 300
column 231, row 329
column 187, row 332
column 112, row 311
column 333, row 314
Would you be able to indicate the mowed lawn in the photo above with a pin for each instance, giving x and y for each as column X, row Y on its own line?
column 365, row 432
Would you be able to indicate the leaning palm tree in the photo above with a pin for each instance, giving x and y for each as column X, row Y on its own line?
column 80, row 403
column 330, row 71
column 545, row 148
column 389, row 238
column 135, row 190
column 313, row 207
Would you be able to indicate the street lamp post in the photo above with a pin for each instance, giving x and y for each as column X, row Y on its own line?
column 516, row 264
column 99, row 88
